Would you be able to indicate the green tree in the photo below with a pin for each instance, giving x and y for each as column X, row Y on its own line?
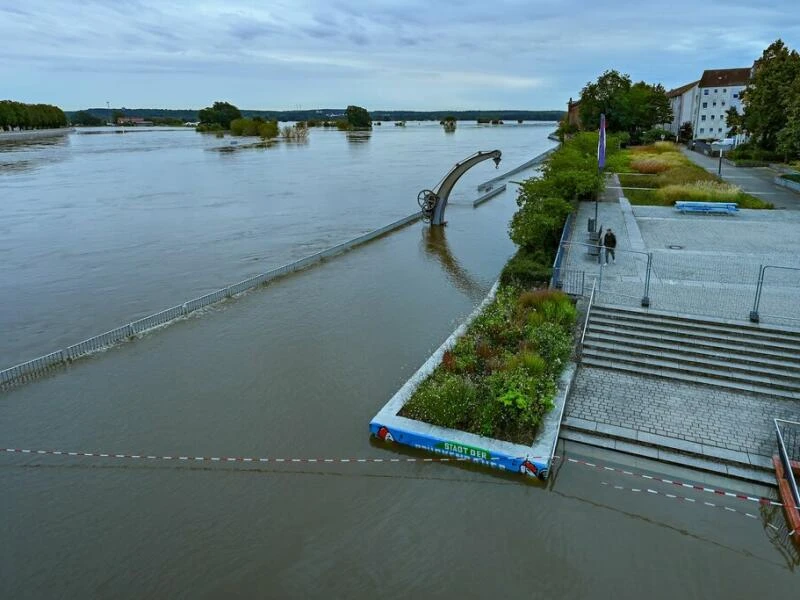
column 768, row 94
column 221, row 113
column 358, row 117
column 86, row 118
column 734, row 121
column 788, row 138
column 631, row 107
column 686, row 132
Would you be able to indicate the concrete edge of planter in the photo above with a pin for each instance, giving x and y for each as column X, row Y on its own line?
column 533, row 460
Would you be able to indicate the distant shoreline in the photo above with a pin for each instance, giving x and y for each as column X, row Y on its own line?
column 30, row 134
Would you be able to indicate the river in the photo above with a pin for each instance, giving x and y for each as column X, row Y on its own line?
column 296, row 370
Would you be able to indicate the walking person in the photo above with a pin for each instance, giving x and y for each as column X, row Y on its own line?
column 610, row 243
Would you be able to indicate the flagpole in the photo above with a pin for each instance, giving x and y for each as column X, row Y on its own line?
column 601, row 162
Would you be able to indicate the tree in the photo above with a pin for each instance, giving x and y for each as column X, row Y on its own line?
column 116, row 115
column 631, row 107
column 686, row 132
column 734, row 121
column 788, row 138
column 221, row 113
column 86, row 118
column 358, row 117
column 768, row 94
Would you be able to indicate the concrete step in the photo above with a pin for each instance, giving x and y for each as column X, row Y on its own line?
column 692, row 354
column 633, row 328
column 689, row 377
column 646, row 339
column 690, row 320
column 774, row 334
column 783, row 379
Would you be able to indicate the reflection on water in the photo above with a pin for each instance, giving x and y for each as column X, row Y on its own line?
column 434, row 241
column 23, row 155
column 358, row 137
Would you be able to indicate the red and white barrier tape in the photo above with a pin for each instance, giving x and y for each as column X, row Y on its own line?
column 243, row 459
column 433, row 459
column 692, row 486
column 687, row 499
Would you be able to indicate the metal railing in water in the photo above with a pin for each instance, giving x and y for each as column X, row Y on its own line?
column 42, row 364
column 787, row 434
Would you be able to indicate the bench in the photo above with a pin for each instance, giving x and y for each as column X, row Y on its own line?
column 724, row 208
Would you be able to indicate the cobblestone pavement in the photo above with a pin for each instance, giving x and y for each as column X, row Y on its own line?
column 694, row 413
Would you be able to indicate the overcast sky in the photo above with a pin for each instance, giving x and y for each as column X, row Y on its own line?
column 381, row 54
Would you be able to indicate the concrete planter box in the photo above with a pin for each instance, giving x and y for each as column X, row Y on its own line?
column 534, row 460
column 787, row 183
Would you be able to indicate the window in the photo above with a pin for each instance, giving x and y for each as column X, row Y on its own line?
column 705, row 92
column 712, row 117
column 705, row 104
column 736, row 95
column 713, row 104
column 702, row 117
column 723, row 103
column 702, row 129
column 720, row 129
column 716, row 90
column 724, row 90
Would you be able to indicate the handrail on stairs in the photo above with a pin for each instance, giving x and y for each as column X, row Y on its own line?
column 588, row 314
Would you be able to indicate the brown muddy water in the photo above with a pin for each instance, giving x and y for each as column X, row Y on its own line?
column 296, row 370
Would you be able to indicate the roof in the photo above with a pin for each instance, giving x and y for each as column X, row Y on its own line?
column 680, row 90
column 720, row 77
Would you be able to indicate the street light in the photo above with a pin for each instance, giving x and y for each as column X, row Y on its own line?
column 721, row 146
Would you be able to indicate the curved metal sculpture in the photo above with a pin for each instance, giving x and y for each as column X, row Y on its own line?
column 433, row 202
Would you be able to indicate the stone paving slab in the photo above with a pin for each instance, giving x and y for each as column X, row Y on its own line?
column 713, row 422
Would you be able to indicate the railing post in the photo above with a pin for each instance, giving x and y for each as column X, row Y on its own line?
column 646, row 297
column 759, row 285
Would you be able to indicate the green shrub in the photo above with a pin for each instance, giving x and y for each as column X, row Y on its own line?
column 527, row 269
column 552, row 342
column 445, row 399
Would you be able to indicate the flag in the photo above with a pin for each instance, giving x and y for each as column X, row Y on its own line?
column 601, row 143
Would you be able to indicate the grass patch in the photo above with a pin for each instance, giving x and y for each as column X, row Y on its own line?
column 670, row 176
column 499, row 380
column 792, row 177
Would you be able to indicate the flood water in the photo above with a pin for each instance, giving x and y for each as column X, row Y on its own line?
column 296, row 370
column 96, row 230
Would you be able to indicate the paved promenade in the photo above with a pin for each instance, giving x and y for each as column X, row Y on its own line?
column 756, row 181
column 702, row 265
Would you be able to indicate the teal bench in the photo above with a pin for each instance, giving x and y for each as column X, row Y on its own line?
column 724, row 208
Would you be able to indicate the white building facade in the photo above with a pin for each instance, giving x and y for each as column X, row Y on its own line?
column 717, row 91
column 682, row 100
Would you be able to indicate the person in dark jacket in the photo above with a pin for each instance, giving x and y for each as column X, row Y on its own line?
column 610, row 243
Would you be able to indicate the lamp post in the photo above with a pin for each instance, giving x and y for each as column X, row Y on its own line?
column 721, row 146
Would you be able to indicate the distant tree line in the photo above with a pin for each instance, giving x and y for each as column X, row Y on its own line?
column 17, row 115
column 334, row 114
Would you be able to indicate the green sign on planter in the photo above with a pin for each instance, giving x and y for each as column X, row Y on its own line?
column 464, row 450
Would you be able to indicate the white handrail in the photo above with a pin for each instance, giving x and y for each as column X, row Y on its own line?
column 588, row 312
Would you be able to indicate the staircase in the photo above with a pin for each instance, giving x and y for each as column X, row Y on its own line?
column 737, row 356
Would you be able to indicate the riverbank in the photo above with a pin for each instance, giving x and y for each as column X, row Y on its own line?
column 701, row 265
column 32, row 134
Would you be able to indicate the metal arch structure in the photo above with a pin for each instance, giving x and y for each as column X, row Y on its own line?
column 434, row 202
